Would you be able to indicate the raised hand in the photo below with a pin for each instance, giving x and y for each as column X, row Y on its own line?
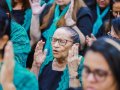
column 39, row 55
column 36, row 7
column 90, row 40
column 68, row 16
column 7, row 70
column 73, row 60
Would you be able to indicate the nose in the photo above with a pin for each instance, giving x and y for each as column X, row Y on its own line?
column 91, row 78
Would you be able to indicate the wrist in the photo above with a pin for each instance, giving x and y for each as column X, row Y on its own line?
column 9, row 86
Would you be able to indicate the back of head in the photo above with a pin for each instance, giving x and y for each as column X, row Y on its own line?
column 110, row 50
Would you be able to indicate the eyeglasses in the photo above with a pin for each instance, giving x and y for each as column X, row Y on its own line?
column 62, row 42
column 99, row 75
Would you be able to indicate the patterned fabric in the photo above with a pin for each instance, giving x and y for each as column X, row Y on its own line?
column 64, row 83
column 24, row 79
column 21, row 43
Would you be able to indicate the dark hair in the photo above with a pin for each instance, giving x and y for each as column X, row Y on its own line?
column 74, row 34
column 116, row 25
column 111, row 54
column 26, row 4
column 4, row 24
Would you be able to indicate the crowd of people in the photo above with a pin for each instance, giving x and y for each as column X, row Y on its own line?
column 59, row 44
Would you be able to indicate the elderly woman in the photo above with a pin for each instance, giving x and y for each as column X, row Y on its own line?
column 55, row 72
column 72, row 13
column 101, row 66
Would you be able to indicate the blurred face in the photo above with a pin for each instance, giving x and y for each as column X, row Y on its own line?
column 114, row 34
column 61, row 43
column 116, row 9
column 62, row 2
column 96, row 73
column 103, row 3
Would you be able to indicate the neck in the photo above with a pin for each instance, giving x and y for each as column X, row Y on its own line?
column 59, row 64
column 18, row 6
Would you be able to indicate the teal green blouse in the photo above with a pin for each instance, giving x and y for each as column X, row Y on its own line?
column 24, row 79
column 21, row 43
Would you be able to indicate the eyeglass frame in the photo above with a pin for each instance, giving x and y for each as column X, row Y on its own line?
column 94, row 73
column 58, row 40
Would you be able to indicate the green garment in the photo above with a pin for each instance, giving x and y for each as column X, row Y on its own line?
column 64, row 83
column 24, row 79
column 21, row 43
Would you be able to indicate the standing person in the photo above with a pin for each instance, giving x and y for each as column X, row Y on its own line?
column 19, row 38
column 21, row 13
column 12, row 75
column 54, row 73
column 101, row 13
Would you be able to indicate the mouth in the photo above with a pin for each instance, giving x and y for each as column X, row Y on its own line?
column 55, row 51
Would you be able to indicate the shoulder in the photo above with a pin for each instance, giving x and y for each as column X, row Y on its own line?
column 23, row 78
column 84, row 11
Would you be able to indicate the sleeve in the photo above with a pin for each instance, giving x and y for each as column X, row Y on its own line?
column 21, row 43
column 85, row 21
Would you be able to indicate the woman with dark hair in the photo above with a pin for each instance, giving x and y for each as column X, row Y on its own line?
column 21, row 12
column 19, row 38
column 101, row 12
column 101, row 66
column 12, row 75
column 54, row 70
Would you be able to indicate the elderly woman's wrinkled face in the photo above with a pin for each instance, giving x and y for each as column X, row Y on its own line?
column 62, row 2
column 116, row 9
column 96, row 73
column 103, row 3
column 61, row 43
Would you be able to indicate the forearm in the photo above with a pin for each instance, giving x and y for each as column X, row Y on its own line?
column 82, row 37
column 35, row 32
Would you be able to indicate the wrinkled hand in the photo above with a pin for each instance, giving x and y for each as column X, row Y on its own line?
column 68, row 16
column 39, row 55
column 7, row 70
column 90, row 40
column 73, row 60
column 36, row 7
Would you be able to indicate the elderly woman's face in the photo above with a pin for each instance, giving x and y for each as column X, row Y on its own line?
column 103, row 3
column 61, row 43
column 62, row 2
column 96, row 74
column 116, row 9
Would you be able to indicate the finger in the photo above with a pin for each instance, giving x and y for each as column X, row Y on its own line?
column 71, row 6
column 76, row 50
column 92, row 36
column 43, row 6
column 30, row 1
column 69, row 55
